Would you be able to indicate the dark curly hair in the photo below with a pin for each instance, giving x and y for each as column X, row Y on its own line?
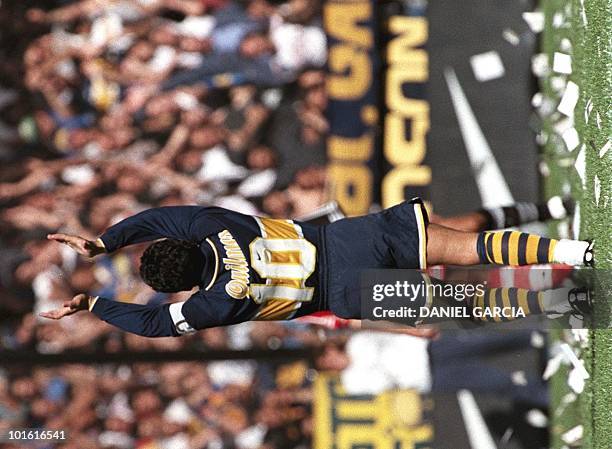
column 171, row 266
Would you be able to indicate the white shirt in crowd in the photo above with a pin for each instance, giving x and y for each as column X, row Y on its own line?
column 383, row 361
column 297, row 46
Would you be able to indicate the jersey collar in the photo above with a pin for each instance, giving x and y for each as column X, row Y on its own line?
column 211, row 264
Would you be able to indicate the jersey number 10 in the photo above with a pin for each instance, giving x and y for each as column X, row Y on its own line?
column 285, row 259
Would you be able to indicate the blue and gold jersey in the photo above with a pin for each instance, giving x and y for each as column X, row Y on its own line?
column 256, row 269
column 266, row 269
column 264, row 272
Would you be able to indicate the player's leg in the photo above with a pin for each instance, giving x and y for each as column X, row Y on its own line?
column 506, row 217
column 451, row 247
column 495, row 305
column 437, row 302
column 552, row 302
column 446, row 246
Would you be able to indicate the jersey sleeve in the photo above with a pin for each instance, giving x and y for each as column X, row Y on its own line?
column 172, row 320
column 204, row 310
column 148, row 321
column 177, row 222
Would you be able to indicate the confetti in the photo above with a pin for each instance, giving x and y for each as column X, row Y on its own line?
column 569, row 99
column 565, row 401
column 563, row 125
column 583, row 13
column 510, row 36
column 575, row 380
column 580, row 164
column 570, row 397
column 597, row 189
column 558, row 20
column 576, row 363
column 566, row 188
column 553, row 366
column 487, row 66
column 536, row 418
column 565, row 45
column 573, row 435
column 539, row 64
column 565, row 162
column 587, row 110
column 562, row 63
column 605, row 148
column 535, row 20
column 506, row 436
column 556, row 207
column 537, row 99
column 571, row 138
column 576, row 222
column 558, row 83
column 547, row 109
column 598, row 120
column 581, row 335
column 541, row 138
column 519, row 378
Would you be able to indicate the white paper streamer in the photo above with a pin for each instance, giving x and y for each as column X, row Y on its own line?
column 605, row 148
column 569, row 100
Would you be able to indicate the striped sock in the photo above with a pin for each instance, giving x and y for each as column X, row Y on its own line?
column 530, row 302
column 553, row 302
column 514, row 248
column 519, row 248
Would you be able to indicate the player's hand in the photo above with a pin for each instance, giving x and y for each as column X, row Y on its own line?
column 84, row 247
column 76, row 304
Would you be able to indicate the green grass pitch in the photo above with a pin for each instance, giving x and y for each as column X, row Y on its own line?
column 587, row 26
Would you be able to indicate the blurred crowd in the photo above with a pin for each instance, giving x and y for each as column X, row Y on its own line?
column 109, row 107
column 113, row 107
column 179, row 405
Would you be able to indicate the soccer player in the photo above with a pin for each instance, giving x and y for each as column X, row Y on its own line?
column 253, row 268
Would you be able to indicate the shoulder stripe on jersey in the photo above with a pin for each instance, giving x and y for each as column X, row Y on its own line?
column 262, row 228
column 214, row 277
column 279, row 229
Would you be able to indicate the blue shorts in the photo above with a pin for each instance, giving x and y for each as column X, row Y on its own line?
column 393, row 238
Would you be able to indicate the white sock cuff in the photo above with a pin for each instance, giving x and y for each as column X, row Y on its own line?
column 555, row 300
column 570, row 252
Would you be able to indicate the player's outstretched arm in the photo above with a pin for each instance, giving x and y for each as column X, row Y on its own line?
column 87, row 248
column 148, row 321
column 175, row 222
